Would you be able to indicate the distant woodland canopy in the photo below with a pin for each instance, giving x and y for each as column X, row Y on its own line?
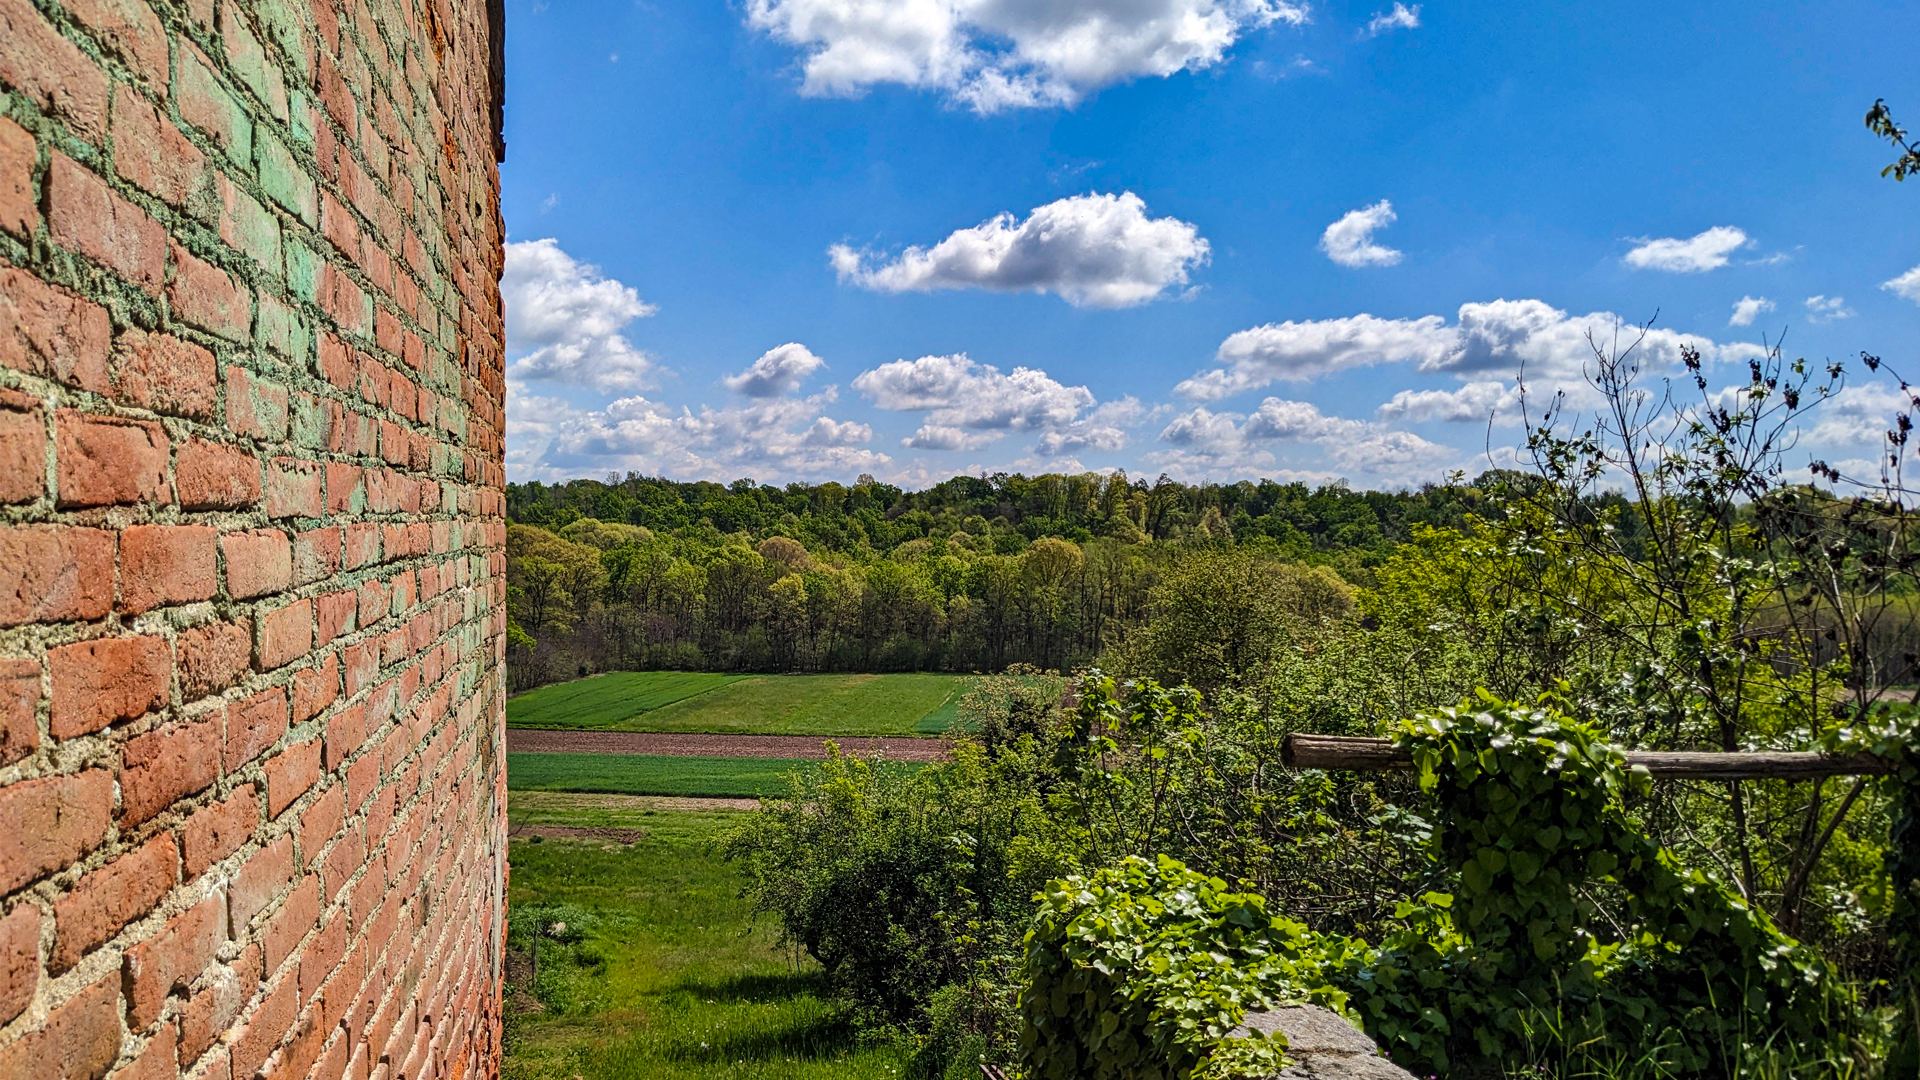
column 974, row 573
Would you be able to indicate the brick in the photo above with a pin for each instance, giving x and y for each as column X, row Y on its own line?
column 18, row 213
column 50, row 573
column 258, row 562
column 255, row 408
column 166, row 564
column 315, row 688
column 209, row 106
column 320, row 821
column 166, row 765
column 286, row 635
column 130, row 30
column 335, row 612
column 293, row 488
column 51, row 822
column 50, row 332
column 213, row 657
column 265, row 876
column 254, row 725
column 109, row 898
column 266, row 1026
column 209, row 1012
column 19, row 960
column 290, row 774
column 101, row 461
column 83, row 214
column 217, row 831
column 166, row 962
column 151, row 154
column 51, row 71
column 158, row 1060
column 203, row 295
column 80, row 1039
column 216, row 476
column 247, row 226
column 316, row 555
column 287, row 926
column 165, row 374
column 106, row 681
column 23, row 448
column 19, row 698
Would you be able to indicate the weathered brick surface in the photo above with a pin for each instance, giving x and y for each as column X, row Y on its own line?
column 251, row 410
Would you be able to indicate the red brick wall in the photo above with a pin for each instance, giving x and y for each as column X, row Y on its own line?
column 251, row 574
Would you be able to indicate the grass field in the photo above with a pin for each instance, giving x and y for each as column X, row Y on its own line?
column 650, row 774
column 905, row 704
column 669, row 978
column 604, row 700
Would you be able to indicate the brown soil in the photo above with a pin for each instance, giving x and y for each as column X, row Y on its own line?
column 571, row 832
column 683, row 744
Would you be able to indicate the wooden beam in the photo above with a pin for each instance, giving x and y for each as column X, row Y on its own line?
column 1343, row 752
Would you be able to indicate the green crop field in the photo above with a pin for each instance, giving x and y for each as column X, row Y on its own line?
column 905, row 704
column 665, row 973
column 600, row 701
column 651, row 774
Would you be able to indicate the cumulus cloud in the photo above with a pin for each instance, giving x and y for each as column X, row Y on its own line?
column 1203, row 442
column 779, row 371
column 1501, row 335
column 564, row 321
column 1748, row 308
column 1827, row 309
column 1907, row 285
column 1091, row 250
column 993, row 55
column 1478, row 401
column 1401, row 17
column 776, row 439
column 1858, row 415
column 1696, row 254
column 970, row 405
column 1349, row 241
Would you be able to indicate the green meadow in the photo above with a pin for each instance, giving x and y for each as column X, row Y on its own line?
column 659, row 971
column 900, row 704
column 651, row 774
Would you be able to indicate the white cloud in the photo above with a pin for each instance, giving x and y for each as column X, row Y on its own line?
column 1205, row 442
column 1401, row 17
column 970, row 405
column 564, row 320
column 776, row 439
column 1827, row 309
column 1696, row 254
column 779, row 371
column 1474, row 402
column 1748, row 308
column 1103, row 429
column 1907, row 285
column 1501, row 335
column 1092, row 250
column 1349, row 241
column 1856, row 416
column 992, row 55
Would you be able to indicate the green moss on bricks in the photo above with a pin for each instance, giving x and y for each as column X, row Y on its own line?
column 303, row 270
column 283, row 332
column 285, row 182
column 310, row 422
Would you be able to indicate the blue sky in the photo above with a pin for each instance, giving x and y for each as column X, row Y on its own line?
column 803, row 239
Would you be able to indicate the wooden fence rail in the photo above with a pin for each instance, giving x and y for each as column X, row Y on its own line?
column 1347, row 752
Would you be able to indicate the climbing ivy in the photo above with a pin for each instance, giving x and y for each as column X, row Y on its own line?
column 1142, row 971
column 1552, row 908
column 1564, row 908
